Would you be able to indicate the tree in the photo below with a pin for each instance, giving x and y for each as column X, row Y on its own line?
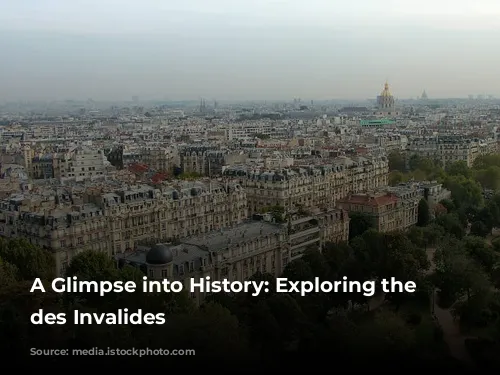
column 479, row 250
column 298, row 270
column 8, row 274
column 212, row 331
column 417, row 236
column 486, row 216
column 338, row 257
column 448, row 205
column 433, row 233
column 485, row 161
column 92, row 265
column 464, row 191
column 396, row 177
column 317, row 263
column 31, row 261
column 414, row 162
column 419, row 175
column 402, row 260
column 451, row 224
column 423, row 213
column 459, row 168
column 493, row 212
column 359, row 223
column 386, row 333
column 475, row 311
column 489, row 178
column 16, row 306
column 396, row 161
column 495, row 275
column 456, row 274
column 478, row 228
column 427, row 166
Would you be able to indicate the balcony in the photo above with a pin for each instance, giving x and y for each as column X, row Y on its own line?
column 305, row 244
column 303, row 233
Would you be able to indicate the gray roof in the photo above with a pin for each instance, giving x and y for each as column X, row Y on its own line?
column 159, row 254
column 220, row 240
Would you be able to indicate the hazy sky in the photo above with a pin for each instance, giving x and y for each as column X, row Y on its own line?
column 247, row 49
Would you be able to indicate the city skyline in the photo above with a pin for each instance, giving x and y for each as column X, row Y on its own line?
column 268, row 50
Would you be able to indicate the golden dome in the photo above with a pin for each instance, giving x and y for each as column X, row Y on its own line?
column 386, row 91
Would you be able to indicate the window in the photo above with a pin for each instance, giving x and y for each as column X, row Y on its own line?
column 151, row 273
column 164, row 274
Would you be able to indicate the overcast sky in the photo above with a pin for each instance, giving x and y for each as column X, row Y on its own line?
column 247, row 49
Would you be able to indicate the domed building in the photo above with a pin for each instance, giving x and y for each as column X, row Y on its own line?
column 159, row 254
column 386, row 103
column 159, row 261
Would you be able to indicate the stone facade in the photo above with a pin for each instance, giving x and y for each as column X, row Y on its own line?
column 118, row 220
column 234, row 253
column 390, row 211
column 310, row 187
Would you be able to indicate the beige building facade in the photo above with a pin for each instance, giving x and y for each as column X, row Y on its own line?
column 390, row 211
column 310, row 187
column 235, row 254
column 115, row 221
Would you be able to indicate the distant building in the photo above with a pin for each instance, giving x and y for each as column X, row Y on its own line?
column 450, row 148
column 385, row 103
column 376, row 123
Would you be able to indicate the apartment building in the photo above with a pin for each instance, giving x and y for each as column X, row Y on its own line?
column 64, row 229
column 390, row 211
column 308, row 187
column 74, row 163
column 42, row 166
column 235, row 253
column 162, row 159
column 208, row 160
column 450, row 148
column 251, row 129
column 115, row 221
column 434, row 193
column 334, row 224
column 79, row 163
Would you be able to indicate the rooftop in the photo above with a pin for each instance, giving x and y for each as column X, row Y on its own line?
column 219, row 240
column 371, row 199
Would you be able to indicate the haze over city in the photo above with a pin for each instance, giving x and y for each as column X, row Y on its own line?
column 261, row 49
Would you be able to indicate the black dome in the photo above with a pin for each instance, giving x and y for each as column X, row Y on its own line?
column 159, row 254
